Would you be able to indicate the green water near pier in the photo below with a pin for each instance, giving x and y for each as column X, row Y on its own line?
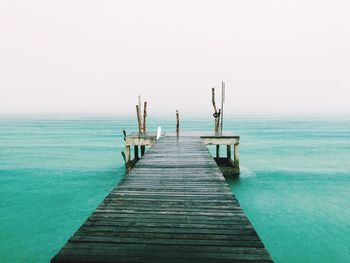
column 294, row 185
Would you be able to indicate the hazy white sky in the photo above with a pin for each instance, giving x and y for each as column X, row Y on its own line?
column 276, row 56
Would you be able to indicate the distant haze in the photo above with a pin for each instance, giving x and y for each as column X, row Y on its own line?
column 84, row 56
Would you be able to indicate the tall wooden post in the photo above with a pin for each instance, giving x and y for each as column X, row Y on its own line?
column 139, row 121
column 144, row 116
column 222, row 105
column 177, row 123
column 144, row 127
column 217, row 128
column 216, row 112
column 139, row 112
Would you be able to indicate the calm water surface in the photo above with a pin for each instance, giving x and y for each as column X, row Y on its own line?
column 294, row 186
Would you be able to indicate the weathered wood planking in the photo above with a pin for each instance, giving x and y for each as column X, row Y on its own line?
column 174, row 206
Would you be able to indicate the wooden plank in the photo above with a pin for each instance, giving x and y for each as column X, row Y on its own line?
column 174, row 206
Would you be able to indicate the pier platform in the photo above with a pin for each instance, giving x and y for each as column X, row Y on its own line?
column 173, row 206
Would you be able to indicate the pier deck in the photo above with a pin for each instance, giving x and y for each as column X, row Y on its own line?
column 173, row 206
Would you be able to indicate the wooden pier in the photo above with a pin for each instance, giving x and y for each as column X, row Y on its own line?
column 173, row 206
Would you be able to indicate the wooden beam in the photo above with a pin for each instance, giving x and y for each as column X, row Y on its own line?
column 220, row 140
column 139, row 141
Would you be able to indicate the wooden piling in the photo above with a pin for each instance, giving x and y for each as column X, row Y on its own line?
column 217, row 151
column 222, row 105
column 217, row 128
column 124, row 134
column 229, row 151
column 214, row 106
column 177, row 122
column 144, row 126
column 236, row 156
column 144, row 116
column 216, row 112
column 139, row 121
column 136, row 152
column 124, row 157
column 127, row 158
column 213, row 99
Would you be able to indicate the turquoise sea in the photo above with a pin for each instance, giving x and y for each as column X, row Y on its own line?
column 294, row 185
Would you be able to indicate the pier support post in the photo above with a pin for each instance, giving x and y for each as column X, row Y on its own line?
column 136, row 152
column 228, row 151
column 236, row 157
column 217, row 151
column 177, row 123
column 127, row 158
column 143, row 148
